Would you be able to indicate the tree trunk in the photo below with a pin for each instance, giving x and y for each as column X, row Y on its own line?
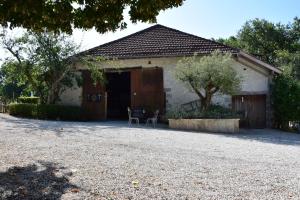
column 206, row 101
column 52, row 95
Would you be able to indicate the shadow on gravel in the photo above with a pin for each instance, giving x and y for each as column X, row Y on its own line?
column 60, row 128
column 44, row 180
column 64, row 127
column 272, row 136
column 267, row 136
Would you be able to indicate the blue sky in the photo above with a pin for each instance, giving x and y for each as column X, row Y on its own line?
column 222, row 18
column 206, row 18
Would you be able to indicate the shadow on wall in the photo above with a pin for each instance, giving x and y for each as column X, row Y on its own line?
column 44, row 180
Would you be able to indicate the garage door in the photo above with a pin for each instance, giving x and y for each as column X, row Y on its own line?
column 147, row 89
column 252, row 109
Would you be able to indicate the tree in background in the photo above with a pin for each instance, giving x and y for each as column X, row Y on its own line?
column 54, row 63
column 232, row 41
column 266, row 40
column 286, row 98
column 290, row 61
column 208, row 75
column 44, row 63
column 104, row 15
column 10, row 89
column 39, row 60
column 20, row 67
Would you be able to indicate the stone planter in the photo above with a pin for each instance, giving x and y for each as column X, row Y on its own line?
column 210, row 125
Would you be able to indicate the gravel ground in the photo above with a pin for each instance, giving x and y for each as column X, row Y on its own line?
column 108, row 160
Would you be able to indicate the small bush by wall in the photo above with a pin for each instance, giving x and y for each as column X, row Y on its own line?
column 286, row 101
column 42, row 111
column 31, row 100
column 214, row 112
column 61, row 112
column 22, row 110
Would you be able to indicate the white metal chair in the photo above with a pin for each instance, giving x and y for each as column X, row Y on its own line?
column 130, row 118
column 153, row 119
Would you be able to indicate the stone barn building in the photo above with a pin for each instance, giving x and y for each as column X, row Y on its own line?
column 145, row 77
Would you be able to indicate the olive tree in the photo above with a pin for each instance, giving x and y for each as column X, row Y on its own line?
column 207, row 75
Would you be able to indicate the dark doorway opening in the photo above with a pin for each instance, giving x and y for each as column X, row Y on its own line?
column 118, row 94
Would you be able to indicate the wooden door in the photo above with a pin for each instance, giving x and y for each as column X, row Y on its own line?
column 136, row 87
column 252, row 109
column 147, row 89
column 93, row 98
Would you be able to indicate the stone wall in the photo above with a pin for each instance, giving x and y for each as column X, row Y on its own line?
column 211, row 125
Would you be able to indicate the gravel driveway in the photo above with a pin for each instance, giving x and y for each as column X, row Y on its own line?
column 108, row 160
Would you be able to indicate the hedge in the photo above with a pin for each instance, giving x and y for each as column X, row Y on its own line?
column 22, row 110
column 286, row 101
column 213, row 112
column 31, row 100
column 43, row 111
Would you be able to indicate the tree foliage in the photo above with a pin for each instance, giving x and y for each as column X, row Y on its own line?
column 104, row 15
column 44, row 63
column 10, row 89
column 286, row 98
column 291, row 62
column 232, row 41
column 39, row 60
column 208, row 75
column 266, row 39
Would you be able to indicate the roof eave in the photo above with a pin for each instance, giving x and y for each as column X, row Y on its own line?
column 157, row 56
column 259, row 62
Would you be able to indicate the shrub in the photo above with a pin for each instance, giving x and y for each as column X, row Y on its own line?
column 220, row 112
column 286, row 101
column 22, row 110
column 213, row 112
column 31, row 100
column 59, row 112
column 44, row 111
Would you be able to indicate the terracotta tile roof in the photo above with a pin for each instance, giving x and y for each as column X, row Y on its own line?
column 158, row 41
